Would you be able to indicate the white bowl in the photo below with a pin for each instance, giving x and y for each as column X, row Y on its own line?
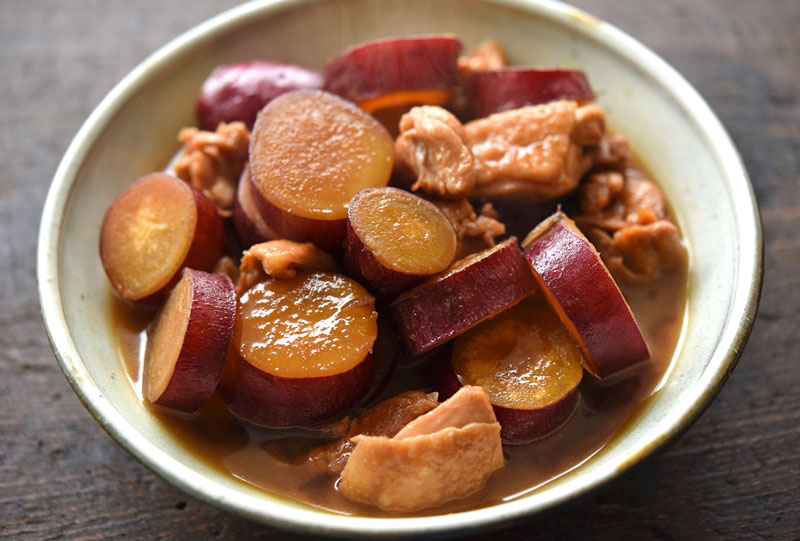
column 132, row 132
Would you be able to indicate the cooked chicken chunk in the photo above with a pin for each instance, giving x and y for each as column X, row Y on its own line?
column 639, row 253
column 213, row 161
column 610, row 200
column 625, row 217
column 612, row 152
column 446, row 454
column 598, row 192
column 488, row 55
column 474, row 232
column 383, row 419
column 431, row 150
column 280, row 259
column 534, row 153
column 590, row 125
column 469, row 405
column 227, row 267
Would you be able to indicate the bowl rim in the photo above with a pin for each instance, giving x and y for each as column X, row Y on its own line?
column 737, row 328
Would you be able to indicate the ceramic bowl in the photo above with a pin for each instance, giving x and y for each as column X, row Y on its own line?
column 132, row 132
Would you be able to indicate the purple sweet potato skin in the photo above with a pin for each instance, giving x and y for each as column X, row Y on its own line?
column 239, row 91
column 496, row 91
column 381, row 67
column 525, row 426
column 277, row 402
column 573, row 273
column 445, row 307
column 205, row 344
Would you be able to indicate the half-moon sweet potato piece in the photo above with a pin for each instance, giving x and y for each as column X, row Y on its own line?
column 580, row 289
column 495, row 91
column 393, row 72
column 473, row 289
column 188, row 343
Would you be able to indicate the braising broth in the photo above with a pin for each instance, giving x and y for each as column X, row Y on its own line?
column 604, row 410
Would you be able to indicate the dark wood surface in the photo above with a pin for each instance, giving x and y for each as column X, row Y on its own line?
column 736, row 473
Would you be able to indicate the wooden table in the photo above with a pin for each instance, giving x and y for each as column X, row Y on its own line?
column 736, row 473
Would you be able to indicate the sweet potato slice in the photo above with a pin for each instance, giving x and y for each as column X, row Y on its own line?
column 396, row 240
column 310, row 153
column 529, row 365
column 585, row 296
column 156, row 227
column 398, row 71
column 189, row 340
column 473, row 289
column 239, row 91
column 302, row 350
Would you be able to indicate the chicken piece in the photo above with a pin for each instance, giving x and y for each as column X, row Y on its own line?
column 469, row 405
column 487, row 56
column 446, row 454
column 280, row 259
column 590, row 125
column 383, row 419
column 212, row 162
column 534, row 153
column 626, row 219
column 611, row 201
column 612, row 152
column 599, row 190
column 486, row 226
column 227, row 267
column 474, row 232
column 431, row 151
column 640, row 253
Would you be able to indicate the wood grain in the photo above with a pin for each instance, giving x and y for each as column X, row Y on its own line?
column 736, row 473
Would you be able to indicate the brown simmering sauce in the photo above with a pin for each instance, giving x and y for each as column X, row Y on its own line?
column 248, row 454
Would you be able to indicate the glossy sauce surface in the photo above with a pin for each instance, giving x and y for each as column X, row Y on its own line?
column 604, row 411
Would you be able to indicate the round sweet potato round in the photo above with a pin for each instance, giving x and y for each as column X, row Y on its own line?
column 312, row 151
column 524, row 358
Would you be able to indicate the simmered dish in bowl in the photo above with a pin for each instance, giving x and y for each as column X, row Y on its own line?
column 326, row 295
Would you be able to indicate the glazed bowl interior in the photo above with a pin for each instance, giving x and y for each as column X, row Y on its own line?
column 132, row 132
